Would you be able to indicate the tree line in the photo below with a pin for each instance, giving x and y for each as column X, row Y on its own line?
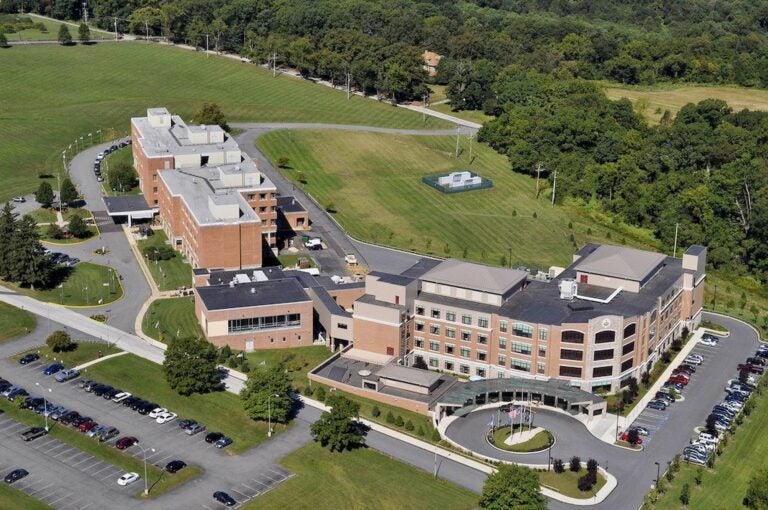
column 22, row 257
column 379, row 44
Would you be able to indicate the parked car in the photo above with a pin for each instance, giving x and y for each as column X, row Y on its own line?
column 52, row 368
column 694, row 359
column 108, row 433
column 640, row 430
column 175, row 465
column 663, row 395
column 110, row 394
column 53, row 409
column 711, row 337
column 212, row 437
column 223, row 442
column 756, row 360
column 17, row 392
column 29, row 358
column 659, row 405
column 678, row 379
column 707, row 342
column 194, row 429
column 157, row 411
column 96, row 431
column 89, row 384
column 85, row 427
column 127, row 479
column 147, row 408
column 755, row 369
column 33, row 433
column 688, row 367
column 165, row 417
column 19, row 199
column 16, row 474
column 119, row 397
column 101, row 390
column 186, row 423
column 67, row 375
column 224, row 498
column 126, row 442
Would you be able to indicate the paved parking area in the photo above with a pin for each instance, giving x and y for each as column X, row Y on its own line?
column 264, row 482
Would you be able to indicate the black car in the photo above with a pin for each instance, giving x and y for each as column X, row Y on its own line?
column 128, row 402
column 110, row 394
column 29, row 358
column 212, row 437
column 184, row 424
column 147, row 408
column 33, row 402
column 175, row 465
column 80, row 420
column 754, row 360
column 112, row 148
column 101, row 390
column 69, row 417
column 138, row 404
column 223, row 498
column 16, row 474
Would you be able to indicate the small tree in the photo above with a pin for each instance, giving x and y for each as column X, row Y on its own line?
column 84, row 33
column 320, row 394
column 190, row 366
column 390, row 417
column 710, row 424
column 267, row 393
column 634, row 388
column 44, row 195
column 65, row 38
column 409, row 426
column 685, row 494
column 592, row 467
column 418, row 362
column 512, row 486
column 59, row 341
column 585, row 483
column 78, row 228
column 633, row 436
column 53, row 231
column 420, row 431
column 645, row 379
column 225, row 353
column 575, row 464
column 399, row 422
column 336, row 429
column 68, row 191
column 558, row 466
column 211, row 114
column 756, row 497
column 3, row 41
column 699, row 476
column 376, row 412
column 283, row 162
column 18, row 401
column 436, row 435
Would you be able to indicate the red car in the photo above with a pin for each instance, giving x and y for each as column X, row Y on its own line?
column 679, row 379
column 125, row 442
column 625, row 437
column 683, row 372
column 85, row 427
column 755, row 369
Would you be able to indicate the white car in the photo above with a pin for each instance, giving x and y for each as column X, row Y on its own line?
column 121, row 396
column 154, row 413
column 127, row 478
column 707, row 341
column 692, row 360
column 166, row 417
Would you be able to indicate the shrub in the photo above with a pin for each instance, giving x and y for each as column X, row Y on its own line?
column 633, row 437
column 320, row 394
column 699, row 475
column 436, row 435
column 399, row 422
column 585, row 483
column 669, row 475
column 376, row 412
column 232, row 362
column 224, row 354
column 558, row 466
column 575, row 464
column 308, row 391
column 409, row 426
column 420, row 431
column 592, row 466
column 675, row 466
column 60, row 341
column 155, row 253
column 390, row 417
column 53, row 231
column 685, row 494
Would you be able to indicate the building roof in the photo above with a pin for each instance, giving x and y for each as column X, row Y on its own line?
column 371, row 300
column 175, row 140
column 695, row 249
column 126, row 204
column 464, row 394
column 621, row 262
column 329, row 303
column 290, row 204
column 394, row 279
column 409, row 375
column 422, row 266
column 468, row 275
column 270, row 292
column 431, row 58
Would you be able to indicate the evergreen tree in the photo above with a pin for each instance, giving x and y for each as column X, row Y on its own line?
column 3, row 41
column 44, row 195
column 258, row 396
column 84, row 33
column 211, row 115
column 7, row 227
column 78, row 228
column 65, row 38
column 190, row 366
column 29, row 265
column 68, row 191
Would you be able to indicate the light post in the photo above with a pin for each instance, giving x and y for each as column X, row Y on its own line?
column 549, row 453
column 658, row 473
column 144, row 454
column 45, row 404
column 269, row 414
column 98, row 132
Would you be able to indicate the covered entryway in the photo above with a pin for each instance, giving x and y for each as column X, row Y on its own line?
column 130, row 208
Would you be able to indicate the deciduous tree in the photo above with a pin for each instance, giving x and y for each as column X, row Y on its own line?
column 60, row 341
column 512, row 486
column 190, row 366
column 268, row 389
column 336, row 429
column 211, row 114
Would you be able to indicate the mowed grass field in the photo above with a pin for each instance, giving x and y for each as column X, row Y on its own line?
column 374, row 183
column 52, row 32
column 171, row 318
column 361, row 478
column 53, row 94
column 651, row 102
column 14, row 322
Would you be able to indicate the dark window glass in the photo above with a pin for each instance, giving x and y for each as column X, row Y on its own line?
column 572, row 337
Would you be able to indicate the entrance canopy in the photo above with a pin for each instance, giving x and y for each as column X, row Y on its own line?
column 134, row 207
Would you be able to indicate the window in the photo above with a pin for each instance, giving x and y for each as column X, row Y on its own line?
column 435, row 313
column 434, row 362
column 572, row 337
column 262, row 196
column 571, row 354
column 434, row 330
column 521, row 365
column 466, row 336
column 449, row 365
column 450, row 332
column 602, row 371
column 628, row 348
column 341, row 325
column 502, row 343
column 502, row 360
column 419, row 310
column 434, row 346
column 570, row 371
column 419, row 343
column 605, row 337
column 521, row 348
column 503, row 326
column 480, row 372
column 482, row 356
column 419, row 326
column 543, row 334
column 251, row 196
column 482, row 322
column 482, row 339
column 464, row 369
column 154, row 190
column 604, row 354
column 449, row 349
column 542, row 350
column 627, row 365
column 523, row 330
column 465, row 352
column 450, row 316
column 466, row 319
column 629, row 330
column 267, row 322
column 541, row 368
column 262, row 209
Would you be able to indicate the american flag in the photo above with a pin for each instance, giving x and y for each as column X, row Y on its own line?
column 514, row 412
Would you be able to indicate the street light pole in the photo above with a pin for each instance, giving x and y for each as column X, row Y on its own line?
column 549, row 461
column 144, row 454
column 45, row 404
column 658, row 473
column 269, row 414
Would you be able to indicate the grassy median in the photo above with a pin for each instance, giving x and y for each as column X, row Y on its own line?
column 171, row 318
column 14, row 498
column 86, row 351
column 86, row 284
column 168, row 274
column 15, row 322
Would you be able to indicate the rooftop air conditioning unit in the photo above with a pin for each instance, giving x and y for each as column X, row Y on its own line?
column 568, row 289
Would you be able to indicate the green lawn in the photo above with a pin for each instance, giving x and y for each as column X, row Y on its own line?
column 219, row 411
column 14, row 322
column 361, row 478
column 160, row 481
column 538, row 442
column 52, row 32
column 566, row 483
column 86, row 351
column 168, row 274
column 299, row 361
column 470, row 115
column 59, row 98
column 93, row 232
column 83, row 287
column 43, row 215
column 374, row 182
column 14, row 498
column 171, row 318
column 291, row 259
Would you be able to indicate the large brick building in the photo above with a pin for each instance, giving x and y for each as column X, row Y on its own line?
column 214, row 204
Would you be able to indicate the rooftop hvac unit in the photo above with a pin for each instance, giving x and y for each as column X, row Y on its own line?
column 253, row 290
column 568, row 289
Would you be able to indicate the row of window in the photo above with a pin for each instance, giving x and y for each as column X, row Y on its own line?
column 268, row 322
column 436, row 313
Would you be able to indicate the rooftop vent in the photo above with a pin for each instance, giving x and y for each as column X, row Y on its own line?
column 253, row 290
column 568, row 289
column 577, row 306
column 232, row 284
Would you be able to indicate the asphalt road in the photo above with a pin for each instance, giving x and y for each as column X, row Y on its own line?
column 635, row 471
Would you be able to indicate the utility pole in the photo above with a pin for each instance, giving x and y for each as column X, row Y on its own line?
column 471, row 136
column 206, row 47
column 554, row 187
column 274, row 64
column 85, row 12
column 424, row 105
column 674, row 252
column 146, row 30
column 349, row 79
column 116, row 38
column 458, row 134
column 538, row 176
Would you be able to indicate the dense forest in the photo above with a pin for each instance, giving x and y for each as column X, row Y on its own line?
column 532, row 65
